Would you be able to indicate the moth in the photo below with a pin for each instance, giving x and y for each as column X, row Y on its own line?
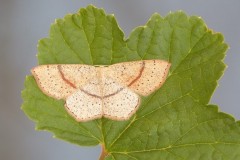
column 92, row 92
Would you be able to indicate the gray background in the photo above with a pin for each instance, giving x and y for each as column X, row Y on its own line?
column 24, row 22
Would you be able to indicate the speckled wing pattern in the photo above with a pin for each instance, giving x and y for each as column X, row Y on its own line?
column 60, row 81
column 93, row 92
column 143, row 77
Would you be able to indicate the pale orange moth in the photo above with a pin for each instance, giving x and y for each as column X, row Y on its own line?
column 93, row 92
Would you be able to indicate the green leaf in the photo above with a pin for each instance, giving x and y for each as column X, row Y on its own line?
column 175, row 122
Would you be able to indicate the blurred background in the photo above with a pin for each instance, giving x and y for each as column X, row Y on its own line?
column 24, row 22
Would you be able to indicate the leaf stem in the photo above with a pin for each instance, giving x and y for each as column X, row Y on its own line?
column 103, row 154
